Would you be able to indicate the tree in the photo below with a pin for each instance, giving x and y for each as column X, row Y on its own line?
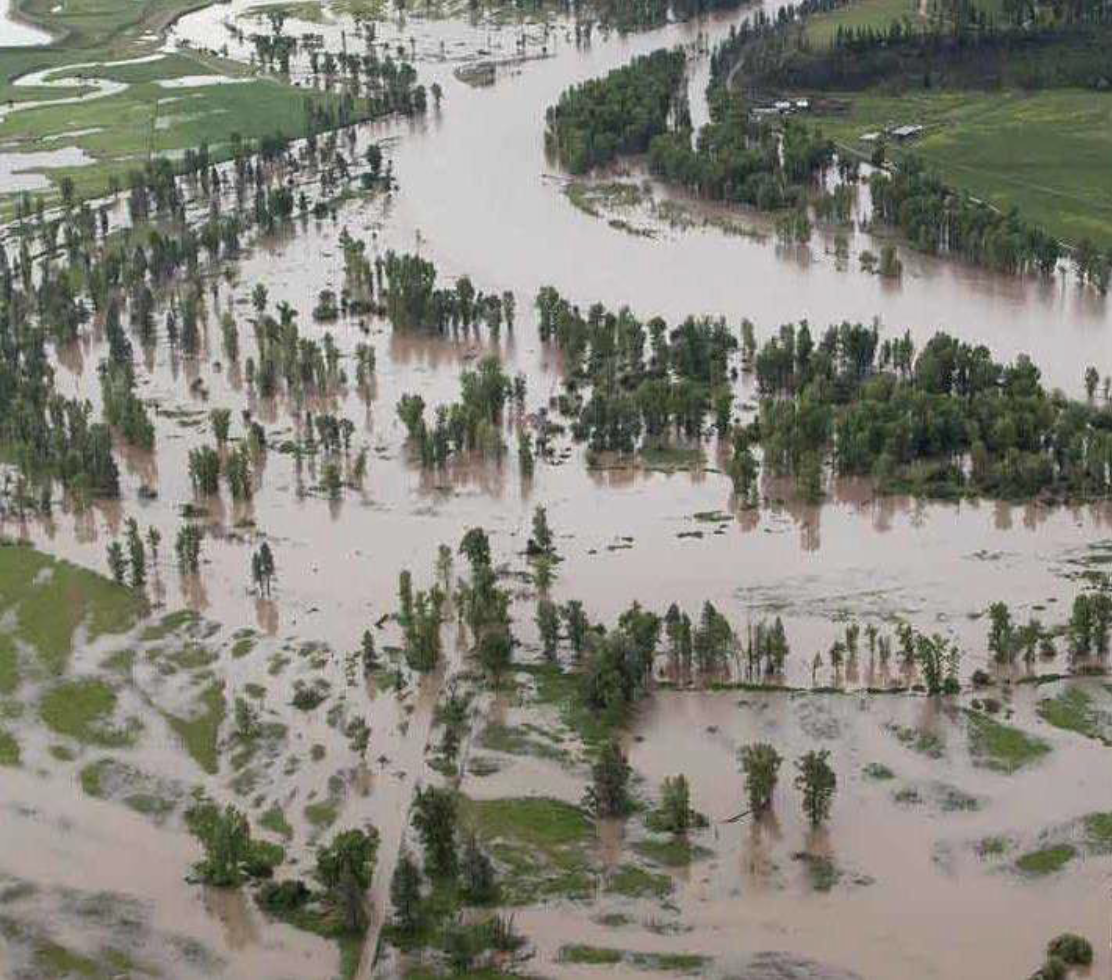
column 817, row 782
column 262, row 568
column 548, row 625
column 1092, row 379
column 761, row 764
column 188, row 548
column 367, row 653
column 225, row 836
column 477, row 872
column 1000, row 637
column 1073, row 949
column 476, row 546
column 434, row 816
column 496, row 649
column 405, row 895
column 541, row 541
column 154, row 539
column 345, row 867
column 577, row 625
column 117, row 564
column 675, row 814
column 608, row 795
column 221, row 419
column 137, row 554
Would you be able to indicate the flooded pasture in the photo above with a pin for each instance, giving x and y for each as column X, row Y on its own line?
column 930, row 865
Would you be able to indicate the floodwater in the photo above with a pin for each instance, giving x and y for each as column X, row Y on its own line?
column 15, row 33
column 479, row 167
column 23, row 171
column 476, row 196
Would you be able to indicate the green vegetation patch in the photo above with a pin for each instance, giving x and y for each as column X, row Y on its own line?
column 200, row 733
column 1074, row 709
column 147, row 117
column 322, row 814
column 84, row 710
column 274, row 820
column 563, row 690
column 675, row 852
column 633, row 881
column 52, row 598
column 878, row 14
column 1098, row 831
column 542, row 846
column 593, row 197
column 925, row 743
column 307, row 10
column 523, row 740
column 606, row 956
column 9, row 664
column 169, row 624
column 1047, row 860
column 150, row 795
column 9, row 749
column 1001, row 747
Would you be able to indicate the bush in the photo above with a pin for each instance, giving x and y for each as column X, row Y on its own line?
column 1070, row 948
column 280, row 898
column 262, row 858
column 1053, row 969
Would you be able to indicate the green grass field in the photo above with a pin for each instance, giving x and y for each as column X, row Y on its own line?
column 145, row 119
column 880, row 14
column 93, row 23
column 1046, row 153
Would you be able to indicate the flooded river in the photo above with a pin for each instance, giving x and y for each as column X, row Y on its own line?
column 478, row 196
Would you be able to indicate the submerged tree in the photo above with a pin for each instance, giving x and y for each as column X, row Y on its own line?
column 405, row 895
column 816, row 780
column 434, row 816
column 262, row 568
column 345, row 867
column 608, row 794
column 477, row 879
column 760, row 762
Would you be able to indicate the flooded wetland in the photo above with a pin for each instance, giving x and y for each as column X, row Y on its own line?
column 423, row 559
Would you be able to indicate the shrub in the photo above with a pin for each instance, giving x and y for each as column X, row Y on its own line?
column 1070, row 948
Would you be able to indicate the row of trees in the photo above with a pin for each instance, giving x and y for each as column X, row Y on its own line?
column 472, row 424
column 937, row 219
column 413, row 301
column 630, row 383
column 620, row 114
column 950, row 420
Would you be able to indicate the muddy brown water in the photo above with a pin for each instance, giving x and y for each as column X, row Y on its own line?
column 476, row 197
